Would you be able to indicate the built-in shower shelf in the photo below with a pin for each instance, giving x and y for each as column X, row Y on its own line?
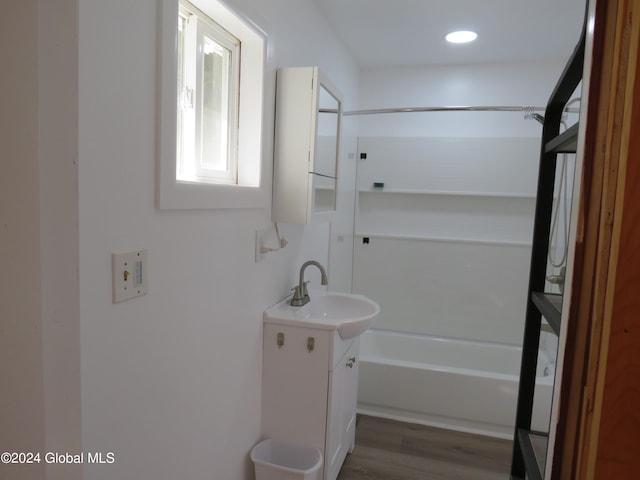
column 534, row 451
column 566, row 142
column 450, row 193
column 550, row 306
column 433, row 238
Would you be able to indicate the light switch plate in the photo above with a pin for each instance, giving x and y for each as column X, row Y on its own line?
column 129, row 274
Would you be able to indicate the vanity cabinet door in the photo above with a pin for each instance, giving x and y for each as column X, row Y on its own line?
column 294, row 384
column 350, row 397
column 341, row 425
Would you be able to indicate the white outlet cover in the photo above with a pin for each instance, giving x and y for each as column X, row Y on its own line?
column 129, row 274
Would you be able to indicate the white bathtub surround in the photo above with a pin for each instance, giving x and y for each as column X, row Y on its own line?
column 444, row 246
column 450, row 383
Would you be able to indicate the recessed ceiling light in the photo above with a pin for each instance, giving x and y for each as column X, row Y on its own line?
column 461, row 36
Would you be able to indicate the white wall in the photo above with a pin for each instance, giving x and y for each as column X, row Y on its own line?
column 58, row 140
column 171, row 381
column 444, row 264
column 21, row 371
column 39, row 241
column 517, row 84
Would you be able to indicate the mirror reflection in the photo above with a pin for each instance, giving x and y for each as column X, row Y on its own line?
column 326, row 153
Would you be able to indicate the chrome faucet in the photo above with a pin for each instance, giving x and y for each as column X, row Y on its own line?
column 300, row 292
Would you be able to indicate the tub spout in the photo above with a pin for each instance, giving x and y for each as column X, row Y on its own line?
column 300, row 292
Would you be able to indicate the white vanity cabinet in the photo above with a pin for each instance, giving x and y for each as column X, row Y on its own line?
column 309, row 391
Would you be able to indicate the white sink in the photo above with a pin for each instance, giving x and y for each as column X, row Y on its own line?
column 349, row 314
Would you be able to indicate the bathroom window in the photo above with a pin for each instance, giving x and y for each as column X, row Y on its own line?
column 211, row 96
column 208, row 79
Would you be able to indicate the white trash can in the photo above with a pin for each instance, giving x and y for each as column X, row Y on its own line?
column 275, row 460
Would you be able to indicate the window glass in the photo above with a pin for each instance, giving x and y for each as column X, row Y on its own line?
column 207, row 99
column 215, row 106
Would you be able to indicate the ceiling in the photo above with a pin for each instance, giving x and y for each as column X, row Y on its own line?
column 401, row 33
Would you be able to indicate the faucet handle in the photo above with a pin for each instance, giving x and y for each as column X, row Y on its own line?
column 298, row 298
column 297, row 294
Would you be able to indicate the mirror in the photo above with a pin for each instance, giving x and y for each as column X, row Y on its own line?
column 326, row 154
column 307, row 142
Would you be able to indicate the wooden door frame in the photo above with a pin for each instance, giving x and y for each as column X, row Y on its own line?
column 600, row 372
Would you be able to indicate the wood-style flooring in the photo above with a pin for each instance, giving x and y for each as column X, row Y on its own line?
column 391, row 450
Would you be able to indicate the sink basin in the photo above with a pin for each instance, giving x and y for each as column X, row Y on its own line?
column 349, row 314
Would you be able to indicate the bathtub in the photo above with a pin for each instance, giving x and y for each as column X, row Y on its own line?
column 449, row 383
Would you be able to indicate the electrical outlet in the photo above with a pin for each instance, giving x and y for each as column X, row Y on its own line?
column 129, row 274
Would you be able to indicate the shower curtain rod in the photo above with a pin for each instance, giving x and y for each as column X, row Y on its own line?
column 526, row 109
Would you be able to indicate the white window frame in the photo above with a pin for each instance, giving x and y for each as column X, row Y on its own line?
column 206, row 191
column 191, row 164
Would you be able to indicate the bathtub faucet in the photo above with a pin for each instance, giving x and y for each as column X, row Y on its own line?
column 300, row 292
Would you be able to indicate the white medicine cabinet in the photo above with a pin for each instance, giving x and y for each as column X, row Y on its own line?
column 307, row 142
